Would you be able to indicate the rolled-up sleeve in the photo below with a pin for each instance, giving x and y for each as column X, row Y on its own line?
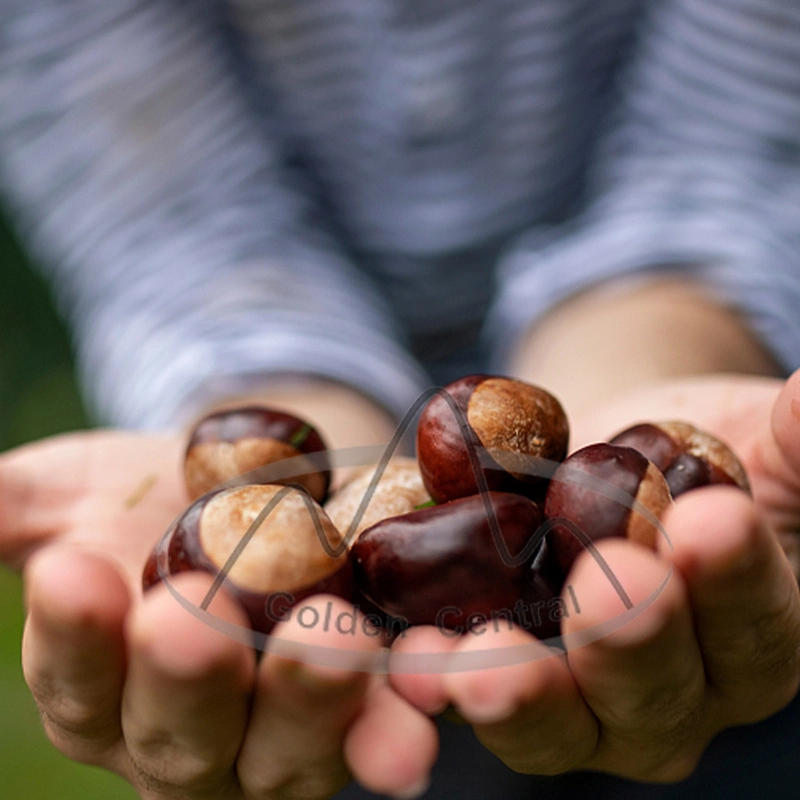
column 698, row 173
column 188, row 257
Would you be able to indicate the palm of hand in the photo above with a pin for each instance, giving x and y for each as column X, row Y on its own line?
column 110, row 492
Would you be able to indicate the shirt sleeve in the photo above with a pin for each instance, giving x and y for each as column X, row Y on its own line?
column 698, row 172
column 189, row 258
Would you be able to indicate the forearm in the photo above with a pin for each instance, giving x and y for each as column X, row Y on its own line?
column 185, row 252
column 612, row 339
column 588, row 349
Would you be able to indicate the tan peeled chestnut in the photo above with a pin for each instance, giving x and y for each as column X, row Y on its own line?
column 399, row 490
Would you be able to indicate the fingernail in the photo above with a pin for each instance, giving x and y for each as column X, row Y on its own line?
column 414, row 791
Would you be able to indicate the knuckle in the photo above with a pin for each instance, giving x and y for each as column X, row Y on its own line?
column 81, row 730
column 166, row 768
column 677, row 768
column 652, row 763
column 67, row 719
column 754, row 699
column 78, row 719
column 760, row 673
column 676, row 721
column 542, row 759
column 79, row 743
column 541, row 764
column 668, row 717
column 665, row 752
column 312, row 785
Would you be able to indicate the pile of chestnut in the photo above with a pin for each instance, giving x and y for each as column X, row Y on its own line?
column 480, row 529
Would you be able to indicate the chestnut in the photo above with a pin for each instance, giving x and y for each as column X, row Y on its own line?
column 399, row 490
column 444, row 566
column 293, row 553
column 541, row 610
column 688, row 456
column 592, row 496
column 226, row 444
column 511, row 419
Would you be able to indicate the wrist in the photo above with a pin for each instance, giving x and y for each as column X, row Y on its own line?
column 610, row 340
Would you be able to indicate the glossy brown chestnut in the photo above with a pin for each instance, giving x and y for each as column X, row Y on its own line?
column 511, row 419
column 227, row 444
column 281, row 562
column 592, row 496
column 442, row 565
column 688, row 456
column 399, row 490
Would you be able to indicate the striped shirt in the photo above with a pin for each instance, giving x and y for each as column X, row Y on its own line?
column 222, row 190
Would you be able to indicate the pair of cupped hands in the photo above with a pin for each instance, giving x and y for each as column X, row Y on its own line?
column 142, row 687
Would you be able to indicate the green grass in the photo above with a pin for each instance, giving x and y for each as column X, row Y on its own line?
column 38, row 397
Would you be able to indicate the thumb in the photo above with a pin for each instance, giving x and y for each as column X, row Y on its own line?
column 39, row 484
column 786, row 427
column 782, row 463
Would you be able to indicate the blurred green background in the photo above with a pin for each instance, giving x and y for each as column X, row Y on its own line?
column 38, row 397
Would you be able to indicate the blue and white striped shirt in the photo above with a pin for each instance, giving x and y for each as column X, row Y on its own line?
column 225, row 189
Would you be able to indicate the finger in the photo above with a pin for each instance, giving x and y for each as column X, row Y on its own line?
column 634, row 655
column 391, row 746
column 73, row 653
column 744, row 599
column 522, row 701
column 777, row 481
column 38, row 482
column 417, row 664
column 311, row 686
column 786, row 422
column 184, row 709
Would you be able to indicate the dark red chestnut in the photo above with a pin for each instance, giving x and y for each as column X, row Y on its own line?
column 592, row 496
column 511, row 419
column 283, row 562
column 688, row 457
column 541, row 610
column 227, row 444
column 442, row 565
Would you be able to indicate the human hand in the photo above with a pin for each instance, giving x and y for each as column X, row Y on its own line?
column 140, row 686
column 743, row 411
column 716, row 647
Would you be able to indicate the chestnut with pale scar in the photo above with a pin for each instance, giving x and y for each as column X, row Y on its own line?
column 603, row 490
column 363, row 502
column 227, row 444
column 266, row 539
column 515, row 421
column 688, row 456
